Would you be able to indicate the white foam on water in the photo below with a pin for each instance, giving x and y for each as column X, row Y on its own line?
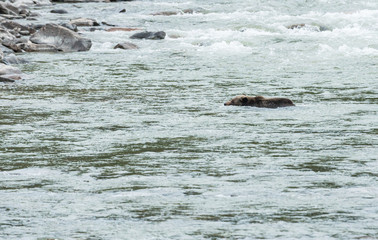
column 347, row 50
column 233, row 47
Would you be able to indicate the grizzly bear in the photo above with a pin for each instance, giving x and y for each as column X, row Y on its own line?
column 259, row 101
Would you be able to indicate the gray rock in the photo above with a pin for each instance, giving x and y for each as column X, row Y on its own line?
column 84, row 22
column 7, row 8
column 5, row 35
column 149, row 35
column 71, row 27
column 62, row 38
column 32, row 47
column 126, row 46
column 17, row 27
column 59, row 11
column 8, row 70
column 13, row 59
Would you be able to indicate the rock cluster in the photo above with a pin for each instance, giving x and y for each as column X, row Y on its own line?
column 16, row 37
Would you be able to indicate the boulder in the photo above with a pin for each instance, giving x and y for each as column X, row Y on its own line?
column 84, row 22
column 126, row 46
column 149, row 35
column 62, row 38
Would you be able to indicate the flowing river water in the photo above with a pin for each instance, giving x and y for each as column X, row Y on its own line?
column 137, row 144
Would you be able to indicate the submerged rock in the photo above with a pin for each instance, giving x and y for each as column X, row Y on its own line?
column 149, row 35
column 170, row 13
column 126, row 46
column 59, row 11
column 62, row 38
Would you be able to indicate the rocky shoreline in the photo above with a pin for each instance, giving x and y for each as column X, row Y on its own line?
column 64, row 37
column 50, row 37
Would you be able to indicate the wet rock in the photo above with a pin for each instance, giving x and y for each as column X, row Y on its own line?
column 13, row 59
column 126, row 46
column 149, row 35
column 71, row 27
column 122, row 29
column 5, row 79
column 31, row 2
column 17, row 27
column 84, row 22
column 5, row 35
column 12, row 44
column 7, row 71
column 108, row 24
column 122, row 11
column 32, row 47
column 7, row 8
column 62, row 38
column 11, row 11
column 170, row 13
column 59, row 11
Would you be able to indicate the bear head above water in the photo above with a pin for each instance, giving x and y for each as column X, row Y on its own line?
column 259, row 101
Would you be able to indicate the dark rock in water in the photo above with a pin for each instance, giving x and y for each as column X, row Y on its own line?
column 84, row 22
column 122, row 11
column 62, row 38
column 59, row 11
column 5, row 79
column 13, row 59
column 108, row 24
column 149, row 35
column 126, row 46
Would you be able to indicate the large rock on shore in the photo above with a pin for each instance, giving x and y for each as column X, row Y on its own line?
column 62, row 38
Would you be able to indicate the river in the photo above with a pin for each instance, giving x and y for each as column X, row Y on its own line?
column 137, row 144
